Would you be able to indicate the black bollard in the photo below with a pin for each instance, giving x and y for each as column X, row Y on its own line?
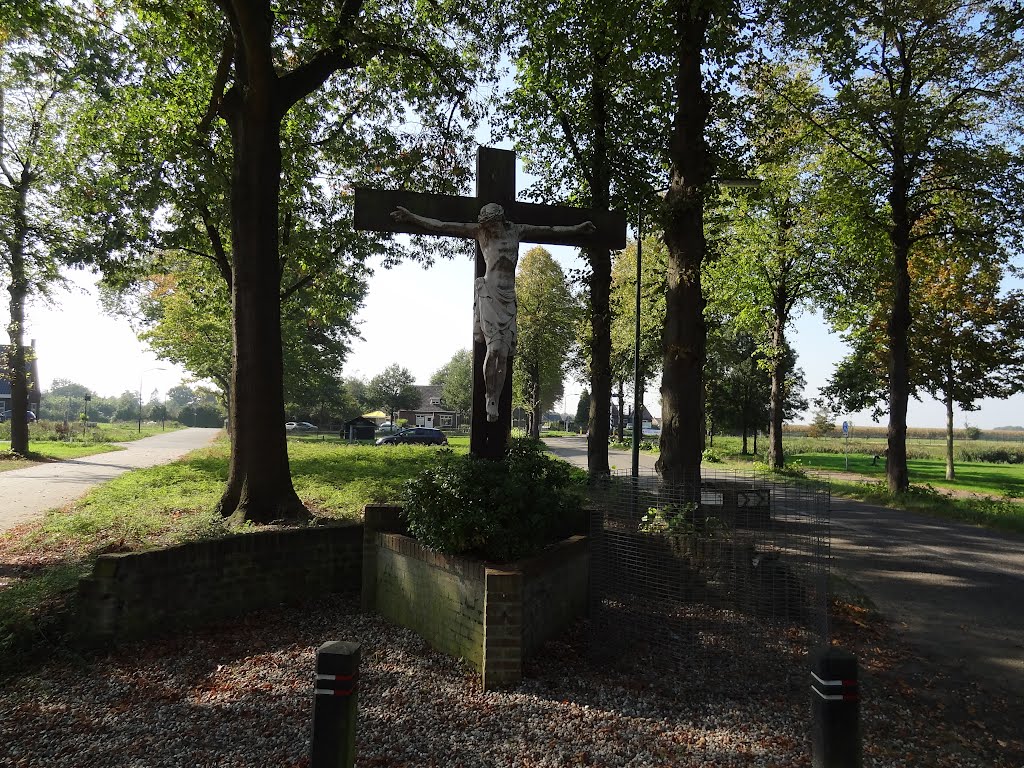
column 333, row 743
column 835, row 710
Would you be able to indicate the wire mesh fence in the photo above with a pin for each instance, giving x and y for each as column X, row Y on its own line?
column 721, row 578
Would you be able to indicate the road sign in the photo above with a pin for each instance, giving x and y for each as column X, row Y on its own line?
column 846, row 427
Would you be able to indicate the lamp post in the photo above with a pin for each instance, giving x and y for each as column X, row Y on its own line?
column 638, row 389
column 141, row 375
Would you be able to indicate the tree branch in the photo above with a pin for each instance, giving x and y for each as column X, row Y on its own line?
column 227, row 56
column 220, row 257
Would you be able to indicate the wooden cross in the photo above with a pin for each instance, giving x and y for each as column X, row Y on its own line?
column 495, row 183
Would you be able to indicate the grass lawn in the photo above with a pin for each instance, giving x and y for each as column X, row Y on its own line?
column 50, row 450
column 979, row 477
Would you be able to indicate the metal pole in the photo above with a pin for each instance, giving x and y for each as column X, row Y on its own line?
column 638, row 390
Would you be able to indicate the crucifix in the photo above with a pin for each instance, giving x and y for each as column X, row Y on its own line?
column 498, row 222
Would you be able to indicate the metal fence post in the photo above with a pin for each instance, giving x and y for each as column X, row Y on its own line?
column 333, row 742
column 835, row 709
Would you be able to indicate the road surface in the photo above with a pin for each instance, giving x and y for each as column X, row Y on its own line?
column 28, row 493
column 955, row 591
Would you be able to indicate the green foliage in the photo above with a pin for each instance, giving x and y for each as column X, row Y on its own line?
column 583, row 407
column 456, row 380
column 393, row 390
column 711, row 456
column 498, row 510
column 545, row 321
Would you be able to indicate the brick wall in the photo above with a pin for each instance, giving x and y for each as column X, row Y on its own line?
column 493, row 617
column 555, row 586
column 438, row 596
column 132, row 594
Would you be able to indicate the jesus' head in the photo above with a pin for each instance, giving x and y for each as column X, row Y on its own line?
column 492, row 212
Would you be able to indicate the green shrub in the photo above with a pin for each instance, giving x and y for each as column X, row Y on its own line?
column 710, row 456
column 497, row 510
column 995, row 454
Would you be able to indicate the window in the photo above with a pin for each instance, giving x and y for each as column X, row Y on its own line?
column 435, row 401
column 446, row 421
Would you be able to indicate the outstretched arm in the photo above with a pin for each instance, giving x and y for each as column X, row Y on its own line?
column 454, row 228
column 533, row 230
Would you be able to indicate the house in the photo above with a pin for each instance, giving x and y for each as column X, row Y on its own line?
column 430, row 412
column 5, row 379
column 646, row 420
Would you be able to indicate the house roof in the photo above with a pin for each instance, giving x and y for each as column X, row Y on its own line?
column 428, row 391
column 645, row 415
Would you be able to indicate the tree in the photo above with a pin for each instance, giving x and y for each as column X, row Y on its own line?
column 768, row 264
column 705, row 42
column 260, row 65
column 357, row 391
column 46, row 64
column 456, row 380
column 583, row 407
column 394, row 389
column 545, row 323
column 967, row 336
column 966, row 341
column 919, row 89
column 584, row 117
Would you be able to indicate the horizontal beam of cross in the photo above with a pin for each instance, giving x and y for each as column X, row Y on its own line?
column 374, row 206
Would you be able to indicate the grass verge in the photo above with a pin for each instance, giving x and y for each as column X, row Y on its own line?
column 41, row 562
column 999, row 513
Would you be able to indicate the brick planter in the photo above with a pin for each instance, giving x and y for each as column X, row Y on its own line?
column 139, row 593
column 491, row 615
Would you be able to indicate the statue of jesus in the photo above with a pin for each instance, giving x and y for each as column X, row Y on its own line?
column 494, row 294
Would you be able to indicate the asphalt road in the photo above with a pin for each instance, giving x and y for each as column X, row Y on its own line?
column 955, row 591
column 28, row 493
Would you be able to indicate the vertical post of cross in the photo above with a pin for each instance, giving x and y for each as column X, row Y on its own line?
column 333, row 742
column 495, row 183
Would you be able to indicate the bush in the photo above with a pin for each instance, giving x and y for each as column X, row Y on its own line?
column 710, row 456
column 497, row 510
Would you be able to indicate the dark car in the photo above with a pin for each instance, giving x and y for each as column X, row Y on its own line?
column 6, row 416
column 422, row 435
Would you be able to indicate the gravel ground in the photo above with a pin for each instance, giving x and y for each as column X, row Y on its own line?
column 240, row 695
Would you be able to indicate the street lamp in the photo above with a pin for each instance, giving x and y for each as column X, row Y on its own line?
column 638, row 389
column 141, row 375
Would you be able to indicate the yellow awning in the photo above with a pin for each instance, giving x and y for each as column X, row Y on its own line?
column 375, row 415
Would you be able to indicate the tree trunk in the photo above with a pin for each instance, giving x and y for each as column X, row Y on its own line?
column 18, row 290
column 259, row 485
column 598, row 424
column 950, row 473
column 898, row 330
column 684, row 336
column 744, row 451
column 776, row 459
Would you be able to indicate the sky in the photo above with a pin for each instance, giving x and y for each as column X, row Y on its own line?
column 415, row 316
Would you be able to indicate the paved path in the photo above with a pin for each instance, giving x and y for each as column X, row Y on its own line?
column 28, row 493
column 955, row 591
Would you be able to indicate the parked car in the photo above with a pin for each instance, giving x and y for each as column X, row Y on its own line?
column 6, row 416
column 420, row 435
column 387, row 428
column 301, row 426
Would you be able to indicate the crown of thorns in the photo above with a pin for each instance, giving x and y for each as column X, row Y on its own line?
column 490, row 212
